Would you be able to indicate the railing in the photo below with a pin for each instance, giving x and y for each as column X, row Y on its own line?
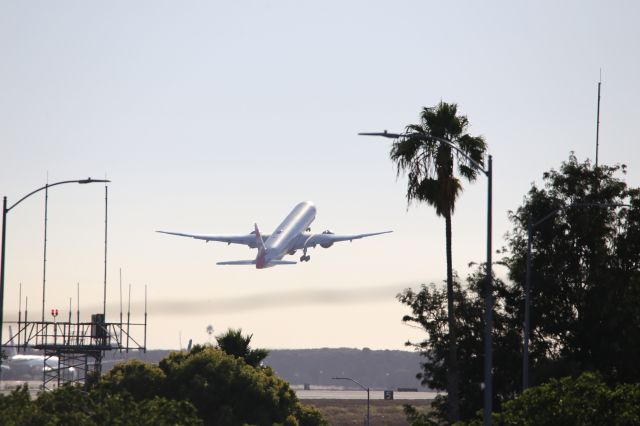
column 74, row 336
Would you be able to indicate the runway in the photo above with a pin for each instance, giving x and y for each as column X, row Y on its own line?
column 360, row 394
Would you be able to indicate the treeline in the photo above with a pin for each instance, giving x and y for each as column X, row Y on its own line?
column 585, row 307
column 224, row 385
column 380, row 369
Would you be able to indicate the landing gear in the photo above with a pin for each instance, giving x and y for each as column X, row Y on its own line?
column 305, row 257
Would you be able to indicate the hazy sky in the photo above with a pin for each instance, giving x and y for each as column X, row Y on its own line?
column 210, row 116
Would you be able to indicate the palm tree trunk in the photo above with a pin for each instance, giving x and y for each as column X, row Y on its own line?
column 452, row 371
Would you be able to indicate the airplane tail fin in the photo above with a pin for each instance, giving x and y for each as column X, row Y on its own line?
column 259, row 241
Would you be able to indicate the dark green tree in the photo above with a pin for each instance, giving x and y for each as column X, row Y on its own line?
column 430, row 168
column 234, row 343
column 204, row 386
column 70, row 405
column 140, row 379
column 227, row 391
column 222, row 389
column 429, row 311
column 584, row 401
column 16, row 408
column 585, row 295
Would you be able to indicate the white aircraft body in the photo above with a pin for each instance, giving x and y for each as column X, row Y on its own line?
column 291, row 235
column 30, row 363
column 27, row 364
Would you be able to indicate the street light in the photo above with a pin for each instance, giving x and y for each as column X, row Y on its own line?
column 527, row 285
column 6, row 210
column 363, row 387
column 488, row 294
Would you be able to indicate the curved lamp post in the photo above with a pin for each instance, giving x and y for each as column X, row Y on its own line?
column 6, row 210
column 488, row 292
column 363, row 387
column 527, row 285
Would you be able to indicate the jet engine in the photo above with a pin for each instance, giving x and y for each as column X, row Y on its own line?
column 327, row 245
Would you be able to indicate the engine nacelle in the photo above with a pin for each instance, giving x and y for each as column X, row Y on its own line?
column 326, row 245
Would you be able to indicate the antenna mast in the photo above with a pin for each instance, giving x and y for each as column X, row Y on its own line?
column 598, row 119
column 120, row 307
column 78, row 316
column 104, row 297
column 44, row 260
column 19, row 315
column 145, row 318
column 128, row 317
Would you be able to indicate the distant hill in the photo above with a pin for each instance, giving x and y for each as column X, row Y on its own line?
column 378, row 369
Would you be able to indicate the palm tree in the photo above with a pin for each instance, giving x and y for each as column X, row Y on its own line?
column 210, row 331
column 234, row 343
column 429, row 166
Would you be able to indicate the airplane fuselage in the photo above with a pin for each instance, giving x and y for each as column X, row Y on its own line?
column 22, row 364
column 287, row 235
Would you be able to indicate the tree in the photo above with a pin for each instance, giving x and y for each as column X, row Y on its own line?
column 234, row 343
column 221, row 389
column 210, row 331
column 429, row 311
column 585, row 400
column 204, row 386
column 585, row 294
column 70, row 405
column 17, row 408
column 140, row 379
column 228, row 391
column 429, row 166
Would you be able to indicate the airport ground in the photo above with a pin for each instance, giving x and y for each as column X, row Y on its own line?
column 339, row 407
column 345, row 412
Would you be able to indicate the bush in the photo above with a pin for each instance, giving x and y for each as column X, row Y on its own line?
column 70, row 405
column 205, row 386
column 584, row 401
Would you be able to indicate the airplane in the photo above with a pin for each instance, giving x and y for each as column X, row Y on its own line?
column 291, row 235
column 27, row 364
column 22, row 364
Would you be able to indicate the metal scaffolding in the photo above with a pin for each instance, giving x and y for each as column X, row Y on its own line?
column 73, row 351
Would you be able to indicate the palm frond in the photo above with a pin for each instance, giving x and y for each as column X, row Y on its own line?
column 474, row 147
column 404, row 152
column 429, row 164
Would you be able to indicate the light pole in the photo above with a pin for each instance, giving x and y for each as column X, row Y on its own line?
column 488, row 292
column 6, row 210
column 363, row 387
column 527, row 285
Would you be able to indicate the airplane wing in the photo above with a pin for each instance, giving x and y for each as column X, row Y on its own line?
column 247, row 240
column 327, row 239
column 253, row 262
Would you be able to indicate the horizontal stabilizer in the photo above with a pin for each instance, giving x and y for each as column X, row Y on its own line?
column 282, row 262
column 253, row 262
column 238, row 262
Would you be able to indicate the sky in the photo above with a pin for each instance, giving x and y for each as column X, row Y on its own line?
column 208, row 116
